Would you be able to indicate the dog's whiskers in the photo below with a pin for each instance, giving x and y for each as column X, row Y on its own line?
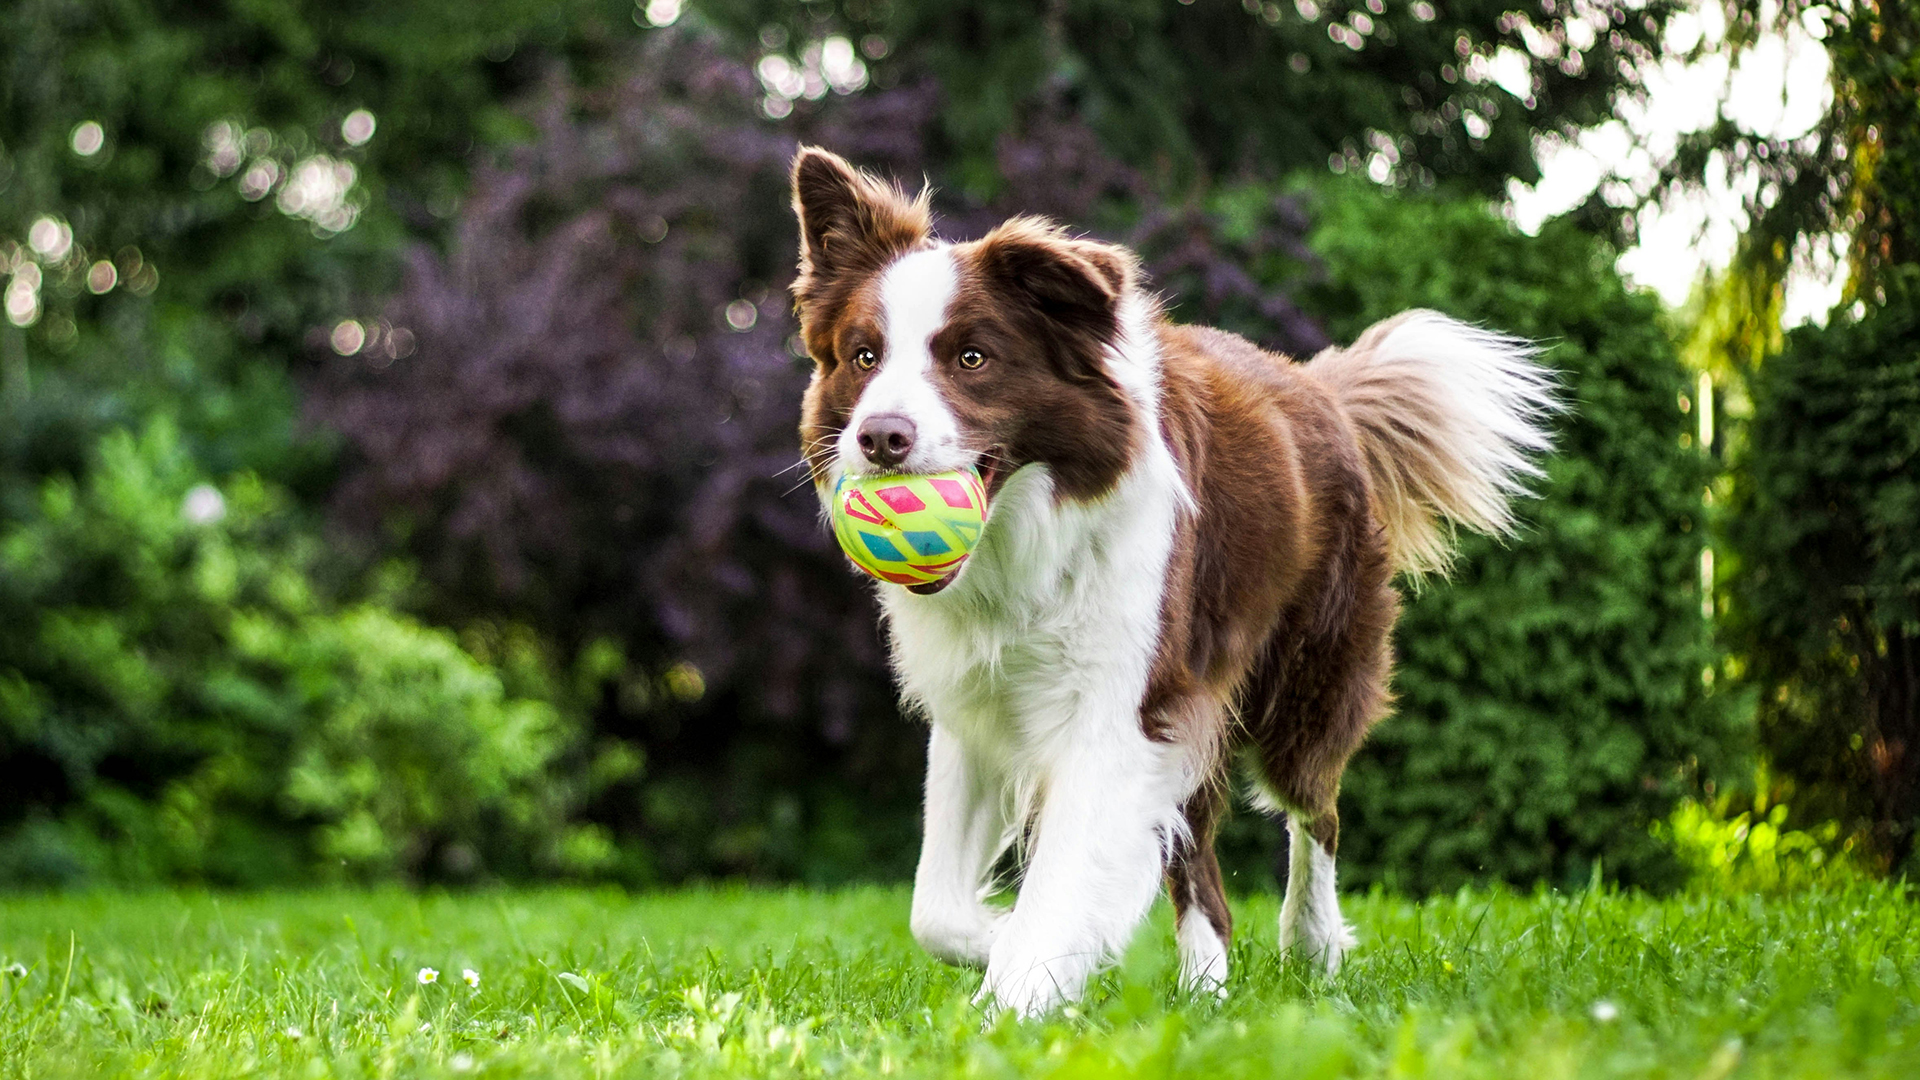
column 806, row 456
column 803, row 482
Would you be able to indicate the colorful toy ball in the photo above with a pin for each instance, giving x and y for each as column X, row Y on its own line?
column 910, row 530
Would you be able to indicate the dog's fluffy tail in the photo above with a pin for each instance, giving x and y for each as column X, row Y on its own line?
column 1450, row 418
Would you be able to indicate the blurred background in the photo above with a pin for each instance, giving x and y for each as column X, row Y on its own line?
column 398, row 405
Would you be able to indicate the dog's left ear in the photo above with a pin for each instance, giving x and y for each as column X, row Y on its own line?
column 1078, row 284
column 850, row 222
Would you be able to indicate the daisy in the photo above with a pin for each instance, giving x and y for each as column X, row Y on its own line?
column 428, row 976
column 471, row 977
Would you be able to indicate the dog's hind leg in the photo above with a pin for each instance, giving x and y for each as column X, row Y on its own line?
column 1309, row 739
column 1317, row 703
column 1203, row 923
column 1306, row 786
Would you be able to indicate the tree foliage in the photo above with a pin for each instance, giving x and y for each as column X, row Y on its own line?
column 184, row 202
column 1827, row 587
column 1451, row 91
column 1821, row 521
column 1855, row 174
column 202, row 205
column 1551, row 701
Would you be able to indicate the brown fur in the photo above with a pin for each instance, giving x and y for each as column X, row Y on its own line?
column 851, row 225
column 1193, row 873
column 1039, row 303
column 1274, row 632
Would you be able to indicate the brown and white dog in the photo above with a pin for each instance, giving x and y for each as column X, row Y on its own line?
column 1187, row 563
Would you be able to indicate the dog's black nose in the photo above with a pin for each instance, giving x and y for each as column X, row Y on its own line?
column 886, row 439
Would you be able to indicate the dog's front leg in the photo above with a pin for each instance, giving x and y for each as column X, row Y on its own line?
column 1109, row 810
column 965, row 828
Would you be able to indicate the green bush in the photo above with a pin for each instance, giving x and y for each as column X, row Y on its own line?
column 1755, row 850
column 1554, row 694
column 177, row 703
column 1825, row 589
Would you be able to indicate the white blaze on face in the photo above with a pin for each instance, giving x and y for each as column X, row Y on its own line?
column 914, row 294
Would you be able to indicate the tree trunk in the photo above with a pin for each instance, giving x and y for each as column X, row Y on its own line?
column 1893, row 703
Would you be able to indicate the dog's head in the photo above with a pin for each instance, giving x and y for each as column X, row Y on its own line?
column 931, row 356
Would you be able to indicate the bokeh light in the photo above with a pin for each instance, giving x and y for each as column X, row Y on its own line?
column 831, row 64
column 23, row 294
column 51, row 238
column 315, row 188
column 317, row 191
column 741, row 315
column 358, row 127
column 101, row 277
column 347, row 337
column 204, row 505
column 260, row 178
column 88, row 138
column 380, row 342
column 222, row 141
column 662, row 12
column 135, row 272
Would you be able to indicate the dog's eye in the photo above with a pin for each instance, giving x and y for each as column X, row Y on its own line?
column 971, row 358
column 864, row 359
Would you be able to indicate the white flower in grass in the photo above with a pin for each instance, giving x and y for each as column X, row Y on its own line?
column 470, row 977
column 293, row 1033
column 17, row 970
column 461, row 1062
column 1606, row 1011
column 428, row 976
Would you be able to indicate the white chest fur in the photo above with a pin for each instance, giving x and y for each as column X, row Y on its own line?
column 1056, row 619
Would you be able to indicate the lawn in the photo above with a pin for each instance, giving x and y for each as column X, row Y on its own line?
column 750, row 983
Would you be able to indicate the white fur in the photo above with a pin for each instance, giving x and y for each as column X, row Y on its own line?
column 1032, row 666
column 1450, row 417
column 1498, row 396
column 1203, row 954
column 966, row 828
column 915, row 292
column 1310, row 922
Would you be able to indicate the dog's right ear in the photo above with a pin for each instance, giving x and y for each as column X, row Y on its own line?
column 850, row 222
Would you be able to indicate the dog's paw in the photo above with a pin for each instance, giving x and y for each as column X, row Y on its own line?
column 1203, row 959
column 1025, row 996
column 1327, row 948
column 964, row 939
column 1209, row 981
column 1027, row 987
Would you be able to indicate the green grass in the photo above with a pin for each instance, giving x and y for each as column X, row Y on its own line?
column 747, row 983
